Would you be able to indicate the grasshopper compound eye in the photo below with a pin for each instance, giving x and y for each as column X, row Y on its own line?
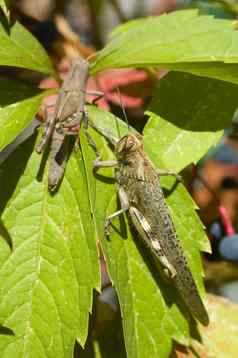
column 128, row 144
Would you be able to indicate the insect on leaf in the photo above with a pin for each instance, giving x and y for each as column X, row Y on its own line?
column 138, row 284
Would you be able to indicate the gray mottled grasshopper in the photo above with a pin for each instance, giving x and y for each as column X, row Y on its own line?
column 141, row 196
column 65, row 120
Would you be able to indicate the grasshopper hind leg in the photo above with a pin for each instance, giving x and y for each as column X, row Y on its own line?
column 144, row 230
column 49, row 128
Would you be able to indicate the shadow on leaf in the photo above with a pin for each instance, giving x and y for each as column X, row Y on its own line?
column 198, row 103
column 5, row 234
column 15, row 163
column 6, row 331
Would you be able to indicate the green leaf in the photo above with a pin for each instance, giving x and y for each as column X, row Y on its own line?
column 139, row 287
column 46, row 283
column 187, row 117
column 19, row 103
column 181, row 41
column 220, row 338
column 108, row 123
column 19, row 48
column 138, row 284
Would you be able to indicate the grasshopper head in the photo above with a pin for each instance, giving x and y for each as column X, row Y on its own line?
column 128, row 144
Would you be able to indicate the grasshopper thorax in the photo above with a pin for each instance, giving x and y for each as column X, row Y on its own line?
column 128, row 145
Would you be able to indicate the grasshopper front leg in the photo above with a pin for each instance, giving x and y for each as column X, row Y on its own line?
column 121, row 192
column 98, row 163
column 165, row 172
column 58, row 159
column 88, row 136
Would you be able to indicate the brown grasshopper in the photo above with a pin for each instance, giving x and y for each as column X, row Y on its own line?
column 66, row 120
column 141, row 196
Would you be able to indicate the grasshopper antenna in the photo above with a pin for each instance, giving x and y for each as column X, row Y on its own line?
column 112, row 138
column 123, row 111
